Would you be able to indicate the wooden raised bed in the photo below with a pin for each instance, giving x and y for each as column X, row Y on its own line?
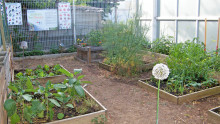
column 82, row 119
column 213, row 117
column 153, row 58
column 110, row 68
column 106, row 67
column 183, row 98
column 43, row 80
column 89, row 53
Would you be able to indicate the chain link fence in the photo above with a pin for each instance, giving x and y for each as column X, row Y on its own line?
column 45, row 25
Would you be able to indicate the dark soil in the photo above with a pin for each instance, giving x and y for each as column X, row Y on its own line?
column 126, row 102
column 217, row 111
column 187, row 90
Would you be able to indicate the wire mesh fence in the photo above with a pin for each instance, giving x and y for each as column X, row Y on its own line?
column 4, row 24
column 47, row 24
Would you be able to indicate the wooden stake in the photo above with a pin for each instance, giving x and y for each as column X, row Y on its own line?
column 12, row 49
column 89, row 56
column 218, row 37
column 2, row 32
column 205, row 33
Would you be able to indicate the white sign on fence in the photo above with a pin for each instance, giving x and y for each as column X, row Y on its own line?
column 64, row 11
column 14, row 13
column 44, row 19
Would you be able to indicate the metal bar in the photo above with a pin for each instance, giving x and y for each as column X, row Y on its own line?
column 176, row 21
column 197, row 21
column 74, row 21
column 205, row 33
column 218, row 36
column 154, row 20
column 187, row 18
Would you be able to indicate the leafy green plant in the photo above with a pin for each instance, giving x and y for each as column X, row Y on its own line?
column 41, row 72
column 46, row 68
column 64, row 99
column 71, row 49
column 94, row 38
column 60, row 116
column 189, row 67
column 214, row 61
column 162, row 45
column 30, row 53
column 21, row 89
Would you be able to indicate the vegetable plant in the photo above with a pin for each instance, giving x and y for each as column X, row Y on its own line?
column 41, row 72
column 190, row 69
column 31, row 101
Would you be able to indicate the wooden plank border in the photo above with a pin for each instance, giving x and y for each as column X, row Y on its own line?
column 84, row 119
column 180, row 99
column 213, row 117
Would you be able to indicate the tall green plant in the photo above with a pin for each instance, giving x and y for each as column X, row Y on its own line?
column 123, row 43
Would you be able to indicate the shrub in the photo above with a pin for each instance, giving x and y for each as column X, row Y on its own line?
column 214, row 61
column 123, row 44
column 94, row 38
column 162, row 45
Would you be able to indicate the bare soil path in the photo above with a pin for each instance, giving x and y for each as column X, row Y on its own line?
column 126, row 102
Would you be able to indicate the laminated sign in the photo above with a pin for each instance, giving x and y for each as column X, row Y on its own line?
column 64, row 15
column 40, row 20
column 14, row 13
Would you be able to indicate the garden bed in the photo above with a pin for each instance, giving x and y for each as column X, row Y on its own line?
column 68, row 101
column 89, row 53
column 145, row 67
column 214, row 115
column 72, row 116
column 43, row 80
column 152, row 57
column 183, row 98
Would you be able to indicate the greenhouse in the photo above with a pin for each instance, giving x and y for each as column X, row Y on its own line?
column 109, row 62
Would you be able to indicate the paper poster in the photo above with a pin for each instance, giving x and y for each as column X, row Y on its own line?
column 64, row 11
column 44, row 19
column 14, row 13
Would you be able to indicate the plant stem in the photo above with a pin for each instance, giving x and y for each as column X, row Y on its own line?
column 22, row 115
column 158, row 92
column 47, row 108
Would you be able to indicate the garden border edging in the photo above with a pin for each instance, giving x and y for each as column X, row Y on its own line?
column 180, row 99
column 44, row 56
column 213, row 117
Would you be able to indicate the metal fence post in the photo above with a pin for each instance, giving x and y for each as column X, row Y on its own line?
column 154, row 20
column 74, row 21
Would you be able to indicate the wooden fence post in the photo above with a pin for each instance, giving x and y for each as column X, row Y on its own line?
column 2, row 32
column 89, row 56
